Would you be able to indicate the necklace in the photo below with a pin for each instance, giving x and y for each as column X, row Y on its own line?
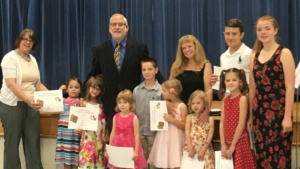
column 27, row 58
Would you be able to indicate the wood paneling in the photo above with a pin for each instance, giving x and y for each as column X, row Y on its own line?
column 48, row 125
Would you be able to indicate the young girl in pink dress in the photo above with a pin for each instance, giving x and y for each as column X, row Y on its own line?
column 234, row 137
column 167, row 147
column 125, row 129
column 199, row 135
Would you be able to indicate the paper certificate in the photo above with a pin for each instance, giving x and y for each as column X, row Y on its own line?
column 222, row 163
column 157, row 111
column 85, row 118
column 297, row 75
column 191, row 163
column 217, row 71
column 53, row 100
column 122, row 160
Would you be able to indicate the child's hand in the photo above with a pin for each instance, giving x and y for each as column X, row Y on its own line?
column 230, row 151
column 78, row 130
column 191, row 152
column 168, row 118
column 135, row 156
column 62, row 87
column 106, row 155
column 81, row 102
column 224, row 151
column 201, row 155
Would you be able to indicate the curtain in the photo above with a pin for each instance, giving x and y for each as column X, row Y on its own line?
column 69, row 29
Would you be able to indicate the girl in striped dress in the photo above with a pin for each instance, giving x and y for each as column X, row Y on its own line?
column 67, row 142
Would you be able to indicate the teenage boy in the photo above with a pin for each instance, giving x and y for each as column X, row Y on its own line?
column 238, row 54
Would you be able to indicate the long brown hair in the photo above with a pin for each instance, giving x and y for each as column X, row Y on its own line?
column 244, row 89
column 258, row 44
column 96, row 82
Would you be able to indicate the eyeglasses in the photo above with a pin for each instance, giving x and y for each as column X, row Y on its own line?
column 95, row 88
column 117, row 24
column 27, row 40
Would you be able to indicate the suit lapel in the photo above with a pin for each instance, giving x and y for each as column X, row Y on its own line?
column 110, row 55
column 127, row 55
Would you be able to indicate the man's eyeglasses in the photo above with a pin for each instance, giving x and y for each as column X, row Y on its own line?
column 117, row 24
column 27, row 40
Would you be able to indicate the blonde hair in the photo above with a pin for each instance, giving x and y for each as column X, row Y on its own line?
column 181, row 61
column 258, row 45
column 201, row 95
column 127, row 96
column 173, row 86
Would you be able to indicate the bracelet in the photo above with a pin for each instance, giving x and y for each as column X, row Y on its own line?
column 28, row 102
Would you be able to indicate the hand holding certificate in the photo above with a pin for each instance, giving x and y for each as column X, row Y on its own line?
column 124, row 159
column 222, row 163
column 53, row 100
column 191, row 163
column 157, row 111
column 85, row 118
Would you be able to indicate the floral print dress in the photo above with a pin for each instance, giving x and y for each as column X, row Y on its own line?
column 92, row 144
column 199, row 134
column 273, row 148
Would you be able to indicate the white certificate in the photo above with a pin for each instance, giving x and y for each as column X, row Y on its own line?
column 222, row 163
column 53, row 100
column 122, row 160
column 85, row 118
column 191, row 163
column 217, row 71
column 157, row 111
column 297, row 75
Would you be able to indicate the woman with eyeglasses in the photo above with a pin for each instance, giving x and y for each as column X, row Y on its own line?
column 18, row 111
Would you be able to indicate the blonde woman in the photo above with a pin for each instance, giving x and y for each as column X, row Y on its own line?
column 192, row 69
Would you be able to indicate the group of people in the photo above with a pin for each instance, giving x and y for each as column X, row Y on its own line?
column 263, row 106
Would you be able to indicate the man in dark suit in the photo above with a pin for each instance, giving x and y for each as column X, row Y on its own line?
column 127, row 74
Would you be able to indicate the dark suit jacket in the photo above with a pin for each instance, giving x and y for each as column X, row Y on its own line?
column 115, row 81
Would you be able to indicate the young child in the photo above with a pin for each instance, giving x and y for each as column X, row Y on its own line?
column 92, row 143
column 125, row 129
column 234, row 137
column 199, row 136
column 67, row 143
column 168, row 145
column 148, row 90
